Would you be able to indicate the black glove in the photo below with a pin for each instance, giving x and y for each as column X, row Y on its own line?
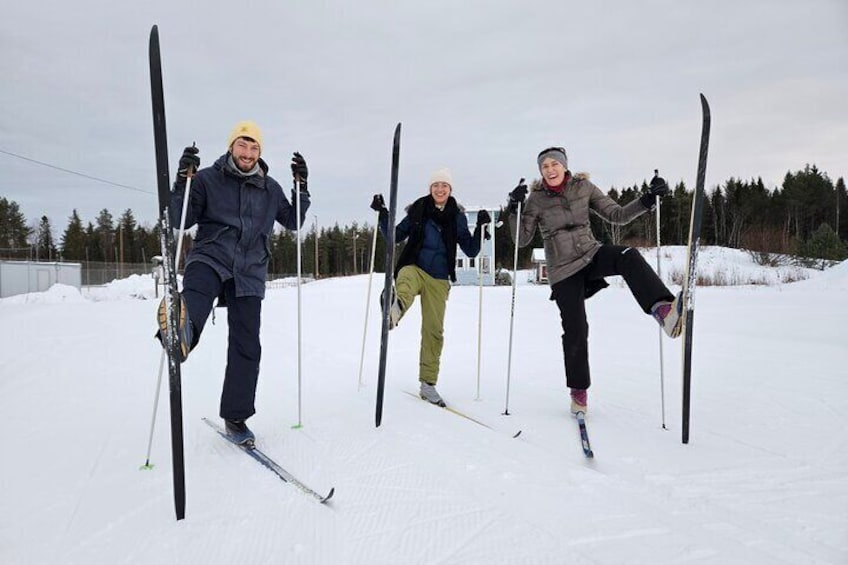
column 517, row 196
column 299, row 169
column 657, row 189
column 483, row 217
column 378, row 204
column 189, row 163
column 303, row 193
column 485, row 228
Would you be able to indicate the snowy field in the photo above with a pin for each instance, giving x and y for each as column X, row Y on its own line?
column 764, row 478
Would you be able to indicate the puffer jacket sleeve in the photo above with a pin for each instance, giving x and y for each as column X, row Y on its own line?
column 611, row 211
column 529, row 220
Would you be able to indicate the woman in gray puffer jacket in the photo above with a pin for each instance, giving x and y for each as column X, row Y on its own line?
column 577, row 262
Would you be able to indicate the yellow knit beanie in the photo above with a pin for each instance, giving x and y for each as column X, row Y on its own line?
column 246, row 129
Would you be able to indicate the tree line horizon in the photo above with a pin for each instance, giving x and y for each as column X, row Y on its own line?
column 804, row 217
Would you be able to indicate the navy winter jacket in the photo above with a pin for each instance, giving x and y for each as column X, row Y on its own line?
column 427, row 241
column 235, row 218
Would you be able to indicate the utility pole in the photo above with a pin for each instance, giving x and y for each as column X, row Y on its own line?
column 355, row 235
column 316, row 245
column 121, row 268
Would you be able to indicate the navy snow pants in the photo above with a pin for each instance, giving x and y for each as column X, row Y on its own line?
column 201, row 286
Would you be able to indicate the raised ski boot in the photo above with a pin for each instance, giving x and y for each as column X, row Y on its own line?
column 396, row 309
column 669, row 315
column 184, row 327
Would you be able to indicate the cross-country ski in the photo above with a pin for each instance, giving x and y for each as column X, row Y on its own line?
column 257, row 454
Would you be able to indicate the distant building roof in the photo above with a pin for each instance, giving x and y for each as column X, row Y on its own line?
column 539, row 255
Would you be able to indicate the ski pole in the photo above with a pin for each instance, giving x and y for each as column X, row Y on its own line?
column 299, row 356
column 512, row 306
column 659, row 274
column 189, row 175
column 368, row 298
column 480, row 308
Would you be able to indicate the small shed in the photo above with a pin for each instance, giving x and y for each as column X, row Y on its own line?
column 469, row 270
column 21, row 277
column 540, row 266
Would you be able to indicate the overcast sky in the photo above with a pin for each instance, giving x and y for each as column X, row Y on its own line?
column 480, row 87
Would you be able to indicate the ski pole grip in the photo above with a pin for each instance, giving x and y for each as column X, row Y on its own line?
column 191, row 168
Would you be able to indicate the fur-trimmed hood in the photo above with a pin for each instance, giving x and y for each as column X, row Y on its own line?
column 576, row 177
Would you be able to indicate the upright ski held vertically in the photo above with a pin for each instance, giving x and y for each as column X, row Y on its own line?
column 166, row 239
column 691, row 276
column 388, row 285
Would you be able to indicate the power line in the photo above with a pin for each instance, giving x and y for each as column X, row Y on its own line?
column 43, row 164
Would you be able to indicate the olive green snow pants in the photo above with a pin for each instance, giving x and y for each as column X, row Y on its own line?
column 411, row 282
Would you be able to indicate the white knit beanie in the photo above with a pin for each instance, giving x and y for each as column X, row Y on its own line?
column 441, row 175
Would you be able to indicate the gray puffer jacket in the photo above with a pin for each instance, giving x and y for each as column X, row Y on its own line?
column 563, row 220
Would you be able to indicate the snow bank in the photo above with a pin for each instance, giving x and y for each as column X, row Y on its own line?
column 717, row 266
column 57, row 293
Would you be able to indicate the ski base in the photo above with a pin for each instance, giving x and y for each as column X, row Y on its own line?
column 461, row 414
column 251, row 449
column 584, row 435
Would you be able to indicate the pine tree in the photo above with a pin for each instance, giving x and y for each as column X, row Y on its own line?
column 105, row 235
column 73, row 240
column 841, row 222
column 92, row 244
column 127, row 241
column 45, row 248
column 14, row 232
column 823, row 247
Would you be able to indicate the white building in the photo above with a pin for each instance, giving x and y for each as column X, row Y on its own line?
column 21, row 277
column 540, row 266
column 470, row 269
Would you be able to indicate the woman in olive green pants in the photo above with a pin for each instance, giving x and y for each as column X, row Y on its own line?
column 433, row 226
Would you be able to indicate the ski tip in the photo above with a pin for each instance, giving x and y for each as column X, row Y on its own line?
column 329, row 495
column 518, row 433
column 154, row 31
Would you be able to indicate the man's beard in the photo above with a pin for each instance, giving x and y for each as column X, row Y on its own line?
column 245, row 168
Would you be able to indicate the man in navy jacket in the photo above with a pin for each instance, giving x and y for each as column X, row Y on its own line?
column 234, row 204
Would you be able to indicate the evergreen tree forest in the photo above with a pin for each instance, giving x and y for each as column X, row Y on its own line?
column 805, row 217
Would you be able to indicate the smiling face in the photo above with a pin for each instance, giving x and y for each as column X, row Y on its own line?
column 245, row 153
column 552, row 171
column 440, row 191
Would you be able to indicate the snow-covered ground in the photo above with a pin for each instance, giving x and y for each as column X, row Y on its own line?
column 764, row 478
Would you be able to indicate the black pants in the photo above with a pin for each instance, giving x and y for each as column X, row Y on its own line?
column 570, row 296
column 201, row 285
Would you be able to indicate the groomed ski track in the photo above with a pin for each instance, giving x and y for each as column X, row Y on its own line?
column 79, row 497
